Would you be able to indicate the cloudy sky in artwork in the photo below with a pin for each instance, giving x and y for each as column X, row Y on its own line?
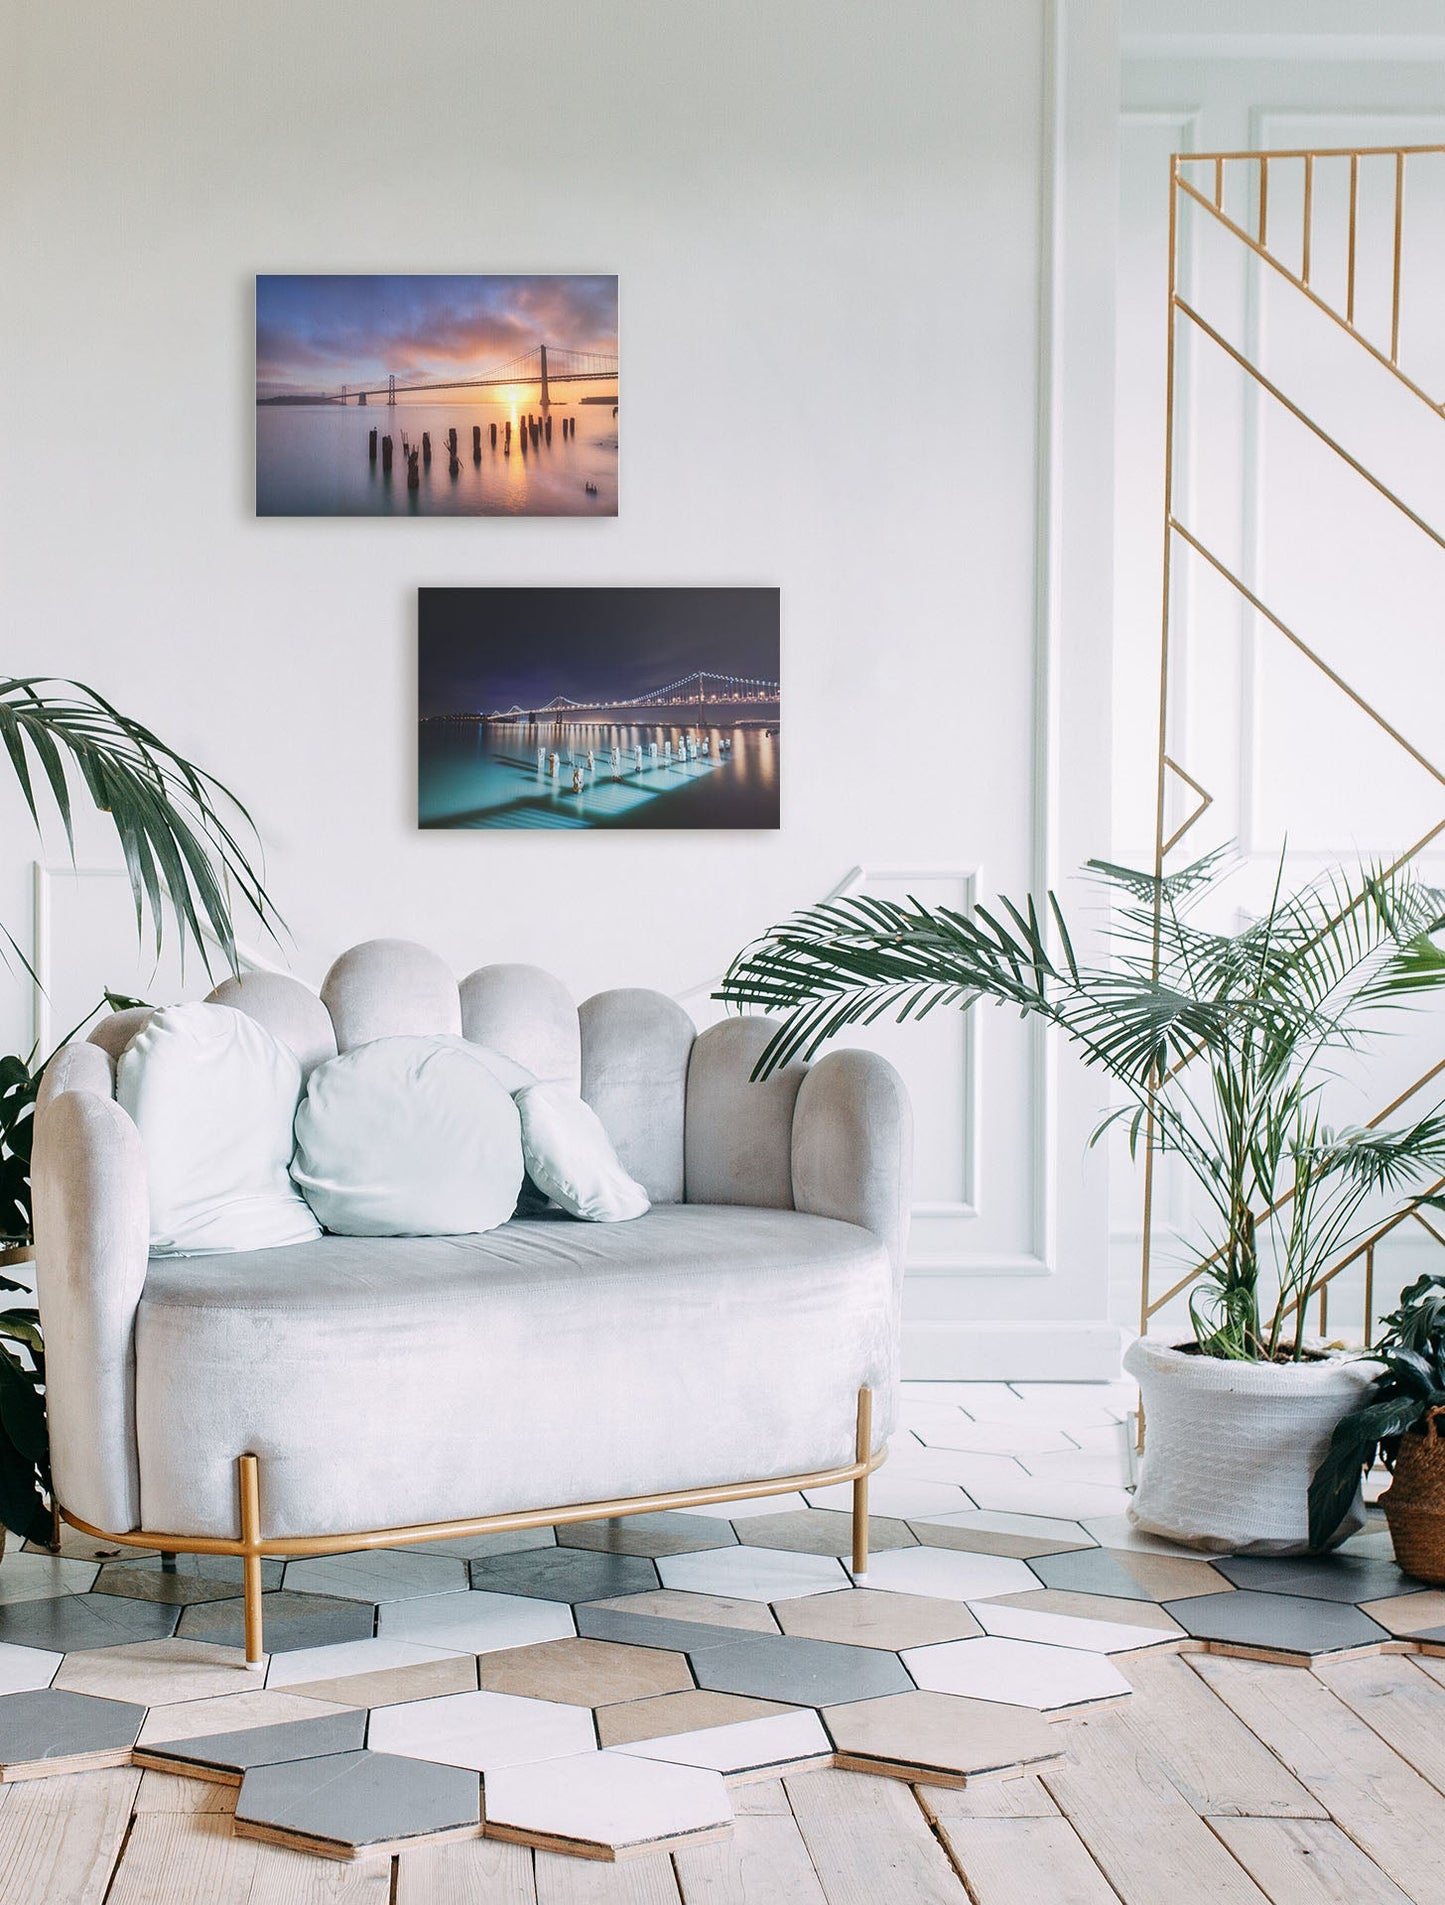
column 319, row 332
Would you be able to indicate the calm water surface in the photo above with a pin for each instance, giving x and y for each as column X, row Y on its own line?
column 487, row 775
column 313, row 460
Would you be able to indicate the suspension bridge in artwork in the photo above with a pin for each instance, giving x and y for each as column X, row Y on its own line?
column 543, row 365
column 702, row 694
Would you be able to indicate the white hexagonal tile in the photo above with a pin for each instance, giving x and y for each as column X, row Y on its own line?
column 898, row 1495
column 482, row 1730
column 603, row 1804
column 1068, row 1630
column 995, row 1438
column 1016, row 1673
column 476, row 1622
column 949, row 1574
column 745, row 1746
column 753, row 1574
column 351, row 1657
column 26, row 1669
column 1061, row 1500
column 1117, row 1531
column 387, row 1575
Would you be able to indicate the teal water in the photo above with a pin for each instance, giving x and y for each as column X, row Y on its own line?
column 473, row 774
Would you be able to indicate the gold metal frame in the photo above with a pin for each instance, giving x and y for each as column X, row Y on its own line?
column 1200, row 179
column 252, row 1546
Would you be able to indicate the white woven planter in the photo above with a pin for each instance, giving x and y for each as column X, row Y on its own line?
column 1230, row 1447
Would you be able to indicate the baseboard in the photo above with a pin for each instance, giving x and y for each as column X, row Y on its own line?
column 1011, row 1352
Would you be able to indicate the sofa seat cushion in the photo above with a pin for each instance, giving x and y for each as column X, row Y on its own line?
column 388, row 1381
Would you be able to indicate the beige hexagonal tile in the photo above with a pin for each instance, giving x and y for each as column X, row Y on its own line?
column 750, row 1749
column 824, row 1531
column 939, row 1737
column 228, row 1713
column 671, row 1713
column 584, row 1673
column 607, row 1805
column 871, row 1617
column 1408, row 1613
column 159, row 1672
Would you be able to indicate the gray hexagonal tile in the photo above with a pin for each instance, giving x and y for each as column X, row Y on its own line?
column 50, row 1732
column 1276, row 1623
column 669, row 1533
column 387, row 1574
column 227, row 1756
column 72, row 1623
column 564, row 1574
column 349, row 1802
column 812, row 1673
column 288, row 1621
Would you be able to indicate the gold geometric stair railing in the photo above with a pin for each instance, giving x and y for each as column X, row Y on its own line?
column 1204, row 184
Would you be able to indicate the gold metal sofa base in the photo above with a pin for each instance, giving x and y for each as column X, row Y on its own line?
column 253, row 1545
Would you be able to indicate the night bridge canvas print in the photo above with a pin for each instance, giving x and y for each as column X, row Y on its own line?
column 595, row 708
column 436, row 396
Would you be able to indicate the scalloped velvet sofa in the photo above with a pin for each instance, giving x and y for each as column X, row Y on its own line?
column 741, row 1338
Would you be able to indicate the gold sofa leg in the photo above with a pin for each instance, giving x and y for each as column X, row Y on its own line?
column 864, row 1449
column 247, row 1471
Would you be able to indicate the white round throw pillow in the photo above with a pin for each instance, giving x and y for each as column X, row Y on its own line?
column 409, row 1137
column 213, row 1094
column 570, row 1157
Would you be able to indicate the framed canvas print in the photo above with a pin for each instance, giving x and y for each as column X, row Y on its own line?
column 436, row 396
column 598, row 708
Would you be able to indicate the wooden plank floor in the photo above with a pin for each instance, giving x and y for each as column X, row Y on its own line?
column 1223, row 1780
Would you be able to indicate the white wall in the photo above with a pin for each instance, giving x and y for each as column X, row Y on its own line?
column 866, row 287
column 1284, row 754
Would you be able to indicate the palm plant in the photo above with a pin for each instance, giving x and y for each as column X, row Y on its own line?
column 1220, row 1044
column 183, row 836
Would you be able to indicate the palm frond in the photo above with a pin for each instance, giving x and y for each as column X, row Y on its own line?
column 182, row 833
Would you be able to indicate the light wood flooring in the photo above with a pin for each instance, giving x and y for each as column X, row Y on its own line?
column 1223, row 1781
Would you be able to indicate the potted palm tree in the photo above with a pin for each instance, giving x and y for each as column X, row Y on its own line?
column 185, row 840
column 1218, row 1045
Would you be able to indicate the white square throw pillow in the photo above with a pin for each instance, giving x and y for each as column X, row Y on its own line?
column 570, row 1157
column 213, row 1095
column 410, row 1137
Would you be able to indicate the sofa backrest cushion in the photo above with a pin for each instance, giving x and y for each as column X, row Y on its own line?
column 390, row 988
column 570, row 1157
column 410, row 1137
column 528, row 1014
column 213, row 1095
column 635, row 1047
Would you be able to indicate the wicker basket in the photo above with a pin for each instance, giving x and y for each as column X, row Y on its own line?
column 1414, row 1503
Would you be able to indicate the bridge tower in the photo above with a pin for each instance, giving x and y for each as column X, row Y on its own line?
column 361, row 397
column 391, row 388
column 546, row 393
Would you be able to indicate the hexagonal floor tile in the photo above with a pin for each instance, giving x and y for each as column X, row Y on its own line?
column 824, row 1531
column 1276, row 1624
column 228, row 1713
column 738, row 1512
column 38, row 1577
column 949, row 1574
column 1128, row 1575
column 226, row 1757
column 482, row 1730
column 674, row 1713
column 362, row 1801
column 873, row 1617
column 1063, row 1499
column 713, row 1610
column 477, row 1547
column 142, row 1583
column 1415, row 1613
column 607, row 1805
column 584, row 1673
column 899, row 1496
column 1037, row 1617
column 69, row 1623
column 992, row 1531
column 379, row 1655
column 47, row 1732
column 389, row 1574
column 600, row 1622
column 747, row 1749
column 26, row 1669
column 940, row 1738
column 157, row 1672
column 1323, row 1577
column 994, row 1438
column 673, row 1532
column 810, row 1673
column 210, row 1569
column 288, row 1621
column 391, row 1686
column 564, row 1574
column 754, row 1574
column 476, row 1621
column 1016, row 1673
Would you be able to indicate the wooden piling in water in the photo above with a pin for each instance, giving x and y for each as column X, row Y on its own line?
column 426, row 444
column 549, row 429
column 494, row 436
column 452, row 440
column 371, row 446
column 476, row 443
column 413, row 472
column 386, row 455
